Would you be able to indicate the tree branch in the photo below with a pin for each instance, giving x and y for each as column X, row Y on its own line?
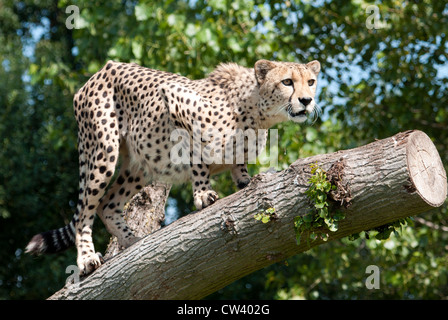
column 144, row 213
column 431, row 225
column 198, row 254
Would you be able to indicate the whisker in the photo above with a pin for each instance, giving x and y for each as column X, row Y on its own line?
column 281, row 108
column 316, row 113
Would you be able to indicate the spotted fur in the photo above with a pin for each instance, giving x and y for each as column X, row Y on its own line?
column 130, row 111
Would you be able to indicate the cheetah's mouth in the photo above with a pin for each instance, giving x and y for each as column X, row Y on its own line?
column 299, row 117
column 302, row 113
column 296, row 116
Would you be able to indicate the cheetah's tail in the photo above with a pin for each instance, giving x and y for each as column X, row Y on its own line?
column 52, row 241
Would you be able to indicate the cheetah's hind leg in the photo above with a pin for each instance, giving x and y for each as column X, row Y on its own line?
column 110, row 210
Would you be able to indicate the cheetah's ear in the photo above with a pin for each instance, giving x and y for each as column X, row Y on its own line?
column 314, row 66
column 262, row 67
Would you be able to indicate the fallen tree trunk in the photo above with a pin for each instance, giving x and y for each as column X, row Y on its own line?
column 201, row 253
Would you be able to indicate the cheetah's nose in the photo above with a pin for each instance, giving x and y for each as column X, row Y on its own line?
column 305, row 101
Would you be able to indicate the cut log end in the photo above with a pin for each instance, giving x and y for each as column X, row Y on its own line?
column 426, row 171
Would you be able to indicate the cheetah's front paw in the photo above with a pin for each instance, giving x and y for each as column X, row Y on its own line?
column 88, row 262
column 205, row 198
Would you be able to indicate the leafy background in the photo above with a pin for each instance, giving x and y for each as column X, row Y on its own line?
column 374, row 83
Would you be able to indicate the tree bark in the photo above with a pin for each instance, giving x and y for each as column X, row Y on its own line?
column 201, row 253
column 144, row 214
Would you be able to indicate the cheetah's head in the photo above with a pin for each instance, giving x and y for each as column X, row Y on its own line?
column 287, row 89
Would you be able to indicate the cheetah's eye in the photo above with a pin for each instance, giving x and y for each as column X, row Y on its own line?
column 287, row 82
column 311, row 82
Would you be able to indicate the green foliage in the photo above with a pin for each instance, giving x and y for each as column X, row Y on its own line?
column 266, row 215
column 320, row 219
column 383, row 232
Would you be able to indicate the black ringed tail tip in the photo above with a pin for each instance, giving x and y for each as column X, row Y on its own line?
column 53, row 241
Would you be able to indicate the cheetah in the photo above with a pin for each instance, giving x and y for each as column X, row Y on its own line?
column 131, row 111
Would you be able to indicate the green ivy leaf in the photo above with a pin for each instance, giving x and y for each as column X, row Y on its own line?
column 319, row 205
column 320, row 216
column 334, row 226
column 308, row 218
column 265, row 219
